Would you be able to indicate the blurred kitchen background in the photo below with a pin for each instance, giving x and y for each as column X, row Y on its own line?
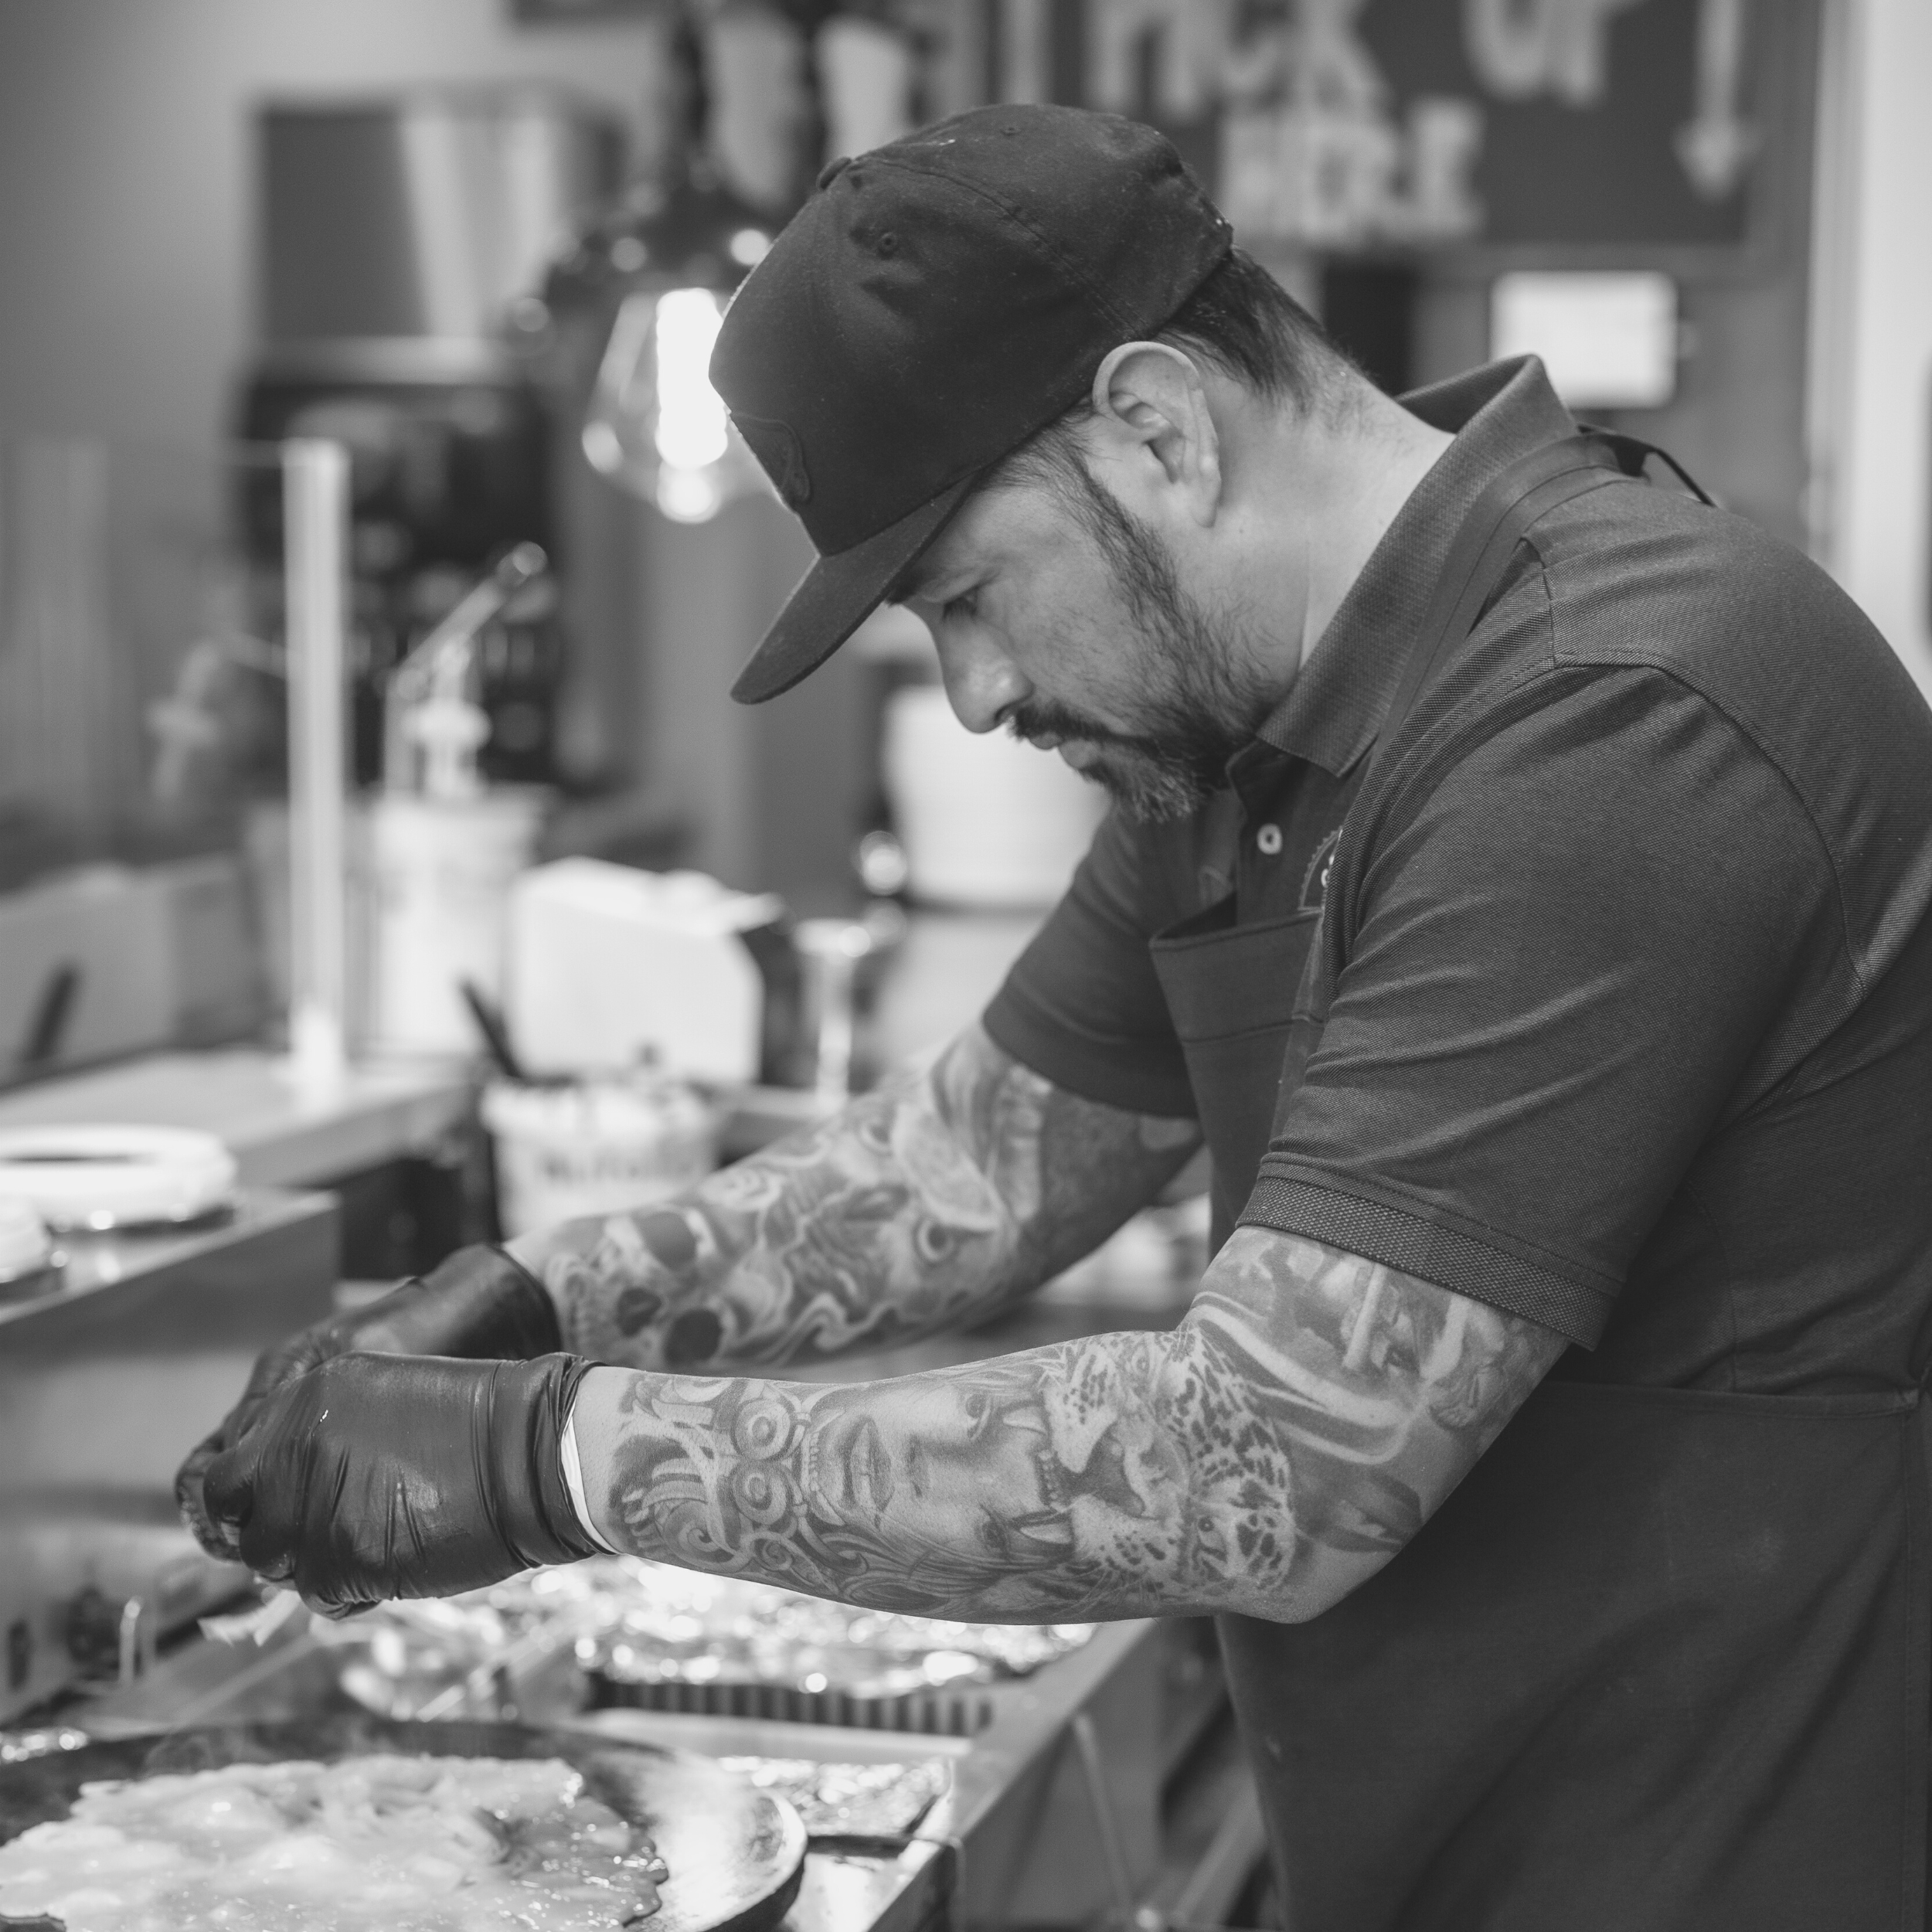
column 383, row 865
column 375, row 557
column 482, row 246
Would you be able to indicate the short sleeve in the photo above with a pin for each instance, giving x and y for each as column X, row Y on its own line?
column 1593, row 940
column 1083, row 1005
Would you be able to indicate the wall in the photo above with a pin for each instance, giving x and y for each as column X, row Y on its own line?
column 1872, row 386
column 126, row 224
column 1737, row 420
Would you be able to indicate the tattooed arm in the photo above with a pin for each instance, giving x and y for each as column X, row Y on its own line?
column 1272, row 1453
column 925, row 1203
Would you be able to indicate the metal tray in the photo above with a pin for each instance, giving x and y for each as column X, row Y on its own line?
column 736, row 1854
column 938, row 1712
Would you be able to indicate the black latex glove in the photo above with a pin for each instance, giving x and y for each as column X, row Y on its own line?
column 479, row 1304
column 376, row 1476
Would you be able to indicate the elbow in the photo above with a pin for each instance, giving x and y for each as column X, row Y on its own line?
column 1273, row 1607
column 1318, row 1588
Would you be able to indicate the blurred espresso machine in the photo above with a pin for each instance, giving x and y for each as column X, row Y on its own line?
column 401, row 245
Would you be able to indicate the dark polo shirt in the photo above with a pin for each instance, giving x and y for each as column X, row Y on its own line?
column 1630, row 959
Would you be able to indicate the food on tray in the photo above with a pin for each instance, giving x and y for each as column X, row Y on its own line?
column 403, row 1844
column 648, row 1624
column 677, row 1626
column 849, row 1801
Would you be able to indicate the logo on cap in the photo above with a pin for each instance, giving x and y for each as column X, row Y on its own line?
column 777, row 447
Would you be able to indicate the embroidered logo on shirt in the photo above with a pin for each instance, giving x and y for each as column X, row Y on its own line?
column 1315, row 881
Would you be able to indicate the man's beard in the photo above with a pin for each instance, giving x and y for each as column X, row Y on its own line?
column 1204, row 692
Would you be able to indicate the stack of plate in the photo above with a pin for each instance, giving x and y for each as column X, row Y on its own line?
column 95, row 1180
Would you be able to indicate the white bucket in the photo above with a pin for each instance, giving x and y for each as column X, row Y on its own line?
column 442, row 873
column 595, row 1147
column 985, row 819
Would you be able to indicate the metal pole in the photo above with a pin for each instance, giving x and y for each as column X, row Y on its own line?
column 316, row 527
column 1113, row 1852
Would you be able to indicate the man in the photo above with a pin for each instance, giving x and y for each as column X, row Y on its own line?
column 1521, row 876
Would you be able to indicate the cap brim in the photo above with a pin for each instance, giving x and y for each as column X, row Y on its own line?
column 836, row 595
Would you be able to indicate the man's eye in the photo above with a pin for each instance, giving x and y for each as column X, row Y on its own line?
column 965, row 605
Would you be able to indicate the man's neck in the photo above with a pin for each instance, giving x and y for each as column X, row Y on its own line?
column 1322, row 490
column 1364, row 472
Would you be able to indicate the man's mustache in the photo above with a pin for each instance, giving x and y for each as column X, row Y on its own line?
column 1047, row 718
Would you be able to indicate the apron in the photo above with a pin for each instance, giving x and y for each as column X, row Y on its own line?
column 1661, row 1660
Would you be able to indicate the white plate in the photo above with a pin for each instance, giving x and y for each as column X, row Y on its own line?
column 93, row 1178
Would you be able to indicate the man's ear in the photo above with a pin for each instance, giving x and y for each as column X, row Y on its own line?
column 1149, row 396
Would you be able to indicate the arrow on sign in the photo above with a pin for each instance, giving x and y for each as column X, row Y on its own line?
column 1718, row 146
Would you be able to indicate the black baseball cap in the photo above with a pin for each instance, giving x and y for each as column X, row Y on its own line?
column 937, row 302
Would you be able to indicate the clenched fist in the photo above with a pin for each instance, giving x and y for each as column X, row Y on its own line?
column 479, row 1303
column 374, row 1476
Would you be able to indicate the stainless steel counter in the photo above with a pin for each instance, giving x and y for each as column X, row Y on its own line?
column 105, row 1382
column 1107, row 1781
column 281, row 1135
column 1110, row 1782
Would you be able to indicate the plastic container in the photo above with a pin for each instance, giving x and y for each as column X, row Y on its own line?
column 595, row 1147
column 442, row 872
column 985, row 821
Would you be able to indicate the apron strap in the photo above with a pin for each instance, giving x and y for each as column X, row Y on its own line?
column 1632, row 452
column 1527, row 489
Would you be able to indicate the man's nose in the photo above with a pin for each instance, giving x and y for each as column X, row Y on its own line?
column 982, row 683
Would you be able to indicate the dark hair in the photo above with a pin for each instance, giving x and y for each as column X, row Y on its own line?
column 1241, row 321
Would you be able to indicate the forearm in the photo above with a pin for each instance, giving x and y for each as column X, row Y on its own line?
column 927, row 1202
column 937, row 1494
column 1265, row 1458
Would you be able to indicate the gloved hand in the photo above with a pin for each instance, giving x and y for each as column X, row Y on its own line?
column 376, row 1476
column 479, row 1303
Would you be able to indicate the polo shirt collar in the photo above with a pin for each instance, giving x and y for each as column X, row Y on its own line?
column 1340, row 696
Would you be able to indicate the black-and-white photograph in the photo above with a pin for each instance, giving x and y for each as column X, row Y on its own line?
column 965, row 965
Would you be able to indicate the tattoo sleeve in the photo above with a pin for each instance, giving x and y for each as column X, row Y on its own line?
column 926, row 1202
column 1309, row 1414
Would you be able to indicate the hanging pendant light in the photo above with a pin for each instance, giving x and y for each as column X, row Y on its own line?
column 662, row 266
column 655, row 425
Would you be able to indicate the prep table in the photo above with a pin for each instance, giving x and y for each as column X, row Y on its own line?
column 1109, row 1781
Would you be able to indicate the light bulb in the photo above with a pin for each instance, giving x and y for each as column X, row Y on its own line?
column 656, row 426
column 692, row 428
column 689, row 496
